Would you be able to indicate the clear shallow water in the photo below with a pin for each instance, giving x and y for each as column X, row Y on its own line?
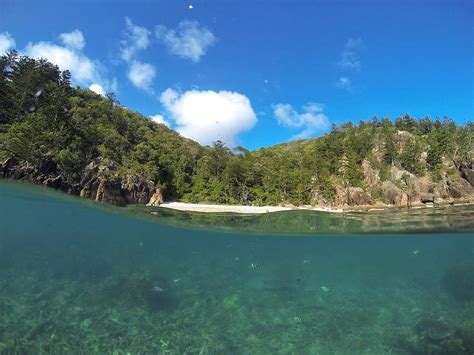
column 77, row 277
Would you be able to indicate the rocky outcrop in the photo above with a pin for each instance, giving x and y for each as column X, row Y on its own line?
column 394, row 195
column 358, row 197
column 46, row 173
column 103, row 181
column 100, row 181
column 371, row 176
column 468, row 174
column 427, row 198
column 402, row 139
column 156, row 199
column 459, row 188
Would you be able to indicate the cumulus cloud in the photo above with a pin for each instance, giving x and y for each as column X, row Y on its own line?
column 6, row 42
column 82, row 68
column 188, row 41
column 310, row 121
column 207, row 116
column 136, row 38
column 350, row 57
column 74, row 39
column 160, row 119
column 97, row 88
column 70, row 56
column 141, row 75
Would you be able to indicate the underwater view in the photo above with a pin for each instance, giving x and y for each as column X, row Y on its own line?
column 236, row 177
column 79, row 277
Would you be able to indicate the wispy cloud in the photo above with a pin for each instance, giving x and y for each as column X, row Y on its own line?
column 141, row 75
column 310, row 121
column 350, row 59
column 188, row 41
column 344, row 82
column 137, row 38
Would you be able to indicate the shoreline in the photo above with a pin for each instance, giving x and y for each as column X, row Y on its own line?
column 210, row 208
column 241, row 209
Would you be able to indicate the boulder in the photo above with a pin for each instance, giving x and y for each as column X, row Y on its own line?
column 394, row 195
column 137, row 189
column 427, row 198
column 156, row 199
column 358, row 197
column 414, row 189
column 109, row 191
column 53, row 182
column 459, row 188
column 7, row 166
column 468, row 174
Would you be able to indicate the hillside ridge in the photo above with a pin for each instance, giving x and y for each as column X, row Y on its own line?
column 74, row 140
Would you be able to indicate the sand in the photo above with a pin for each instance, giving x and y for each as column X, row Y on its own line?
column 197, row 207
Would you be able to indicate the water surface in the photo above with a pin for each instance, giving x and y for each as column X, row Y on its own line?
column 77, row 277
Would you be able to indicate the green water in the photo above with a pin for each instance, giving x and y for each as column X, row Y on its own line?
column 76, row 277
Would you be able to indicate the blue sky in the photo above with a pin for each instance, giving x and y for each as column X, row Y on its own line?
column 257, row 73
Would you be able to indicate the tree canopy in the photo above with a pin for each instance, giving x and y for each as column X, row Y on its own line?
column 42, row 114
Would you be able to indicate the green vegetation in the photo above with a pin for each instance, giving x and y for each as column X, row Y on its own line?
column 42, row 115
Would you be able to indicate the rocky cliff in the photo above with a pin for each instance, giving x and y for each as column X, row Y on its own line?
column 404, row 189
column 100, row 181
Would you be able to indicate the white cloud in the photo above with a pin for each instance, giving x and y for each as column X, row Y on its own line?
column 310, row 121
column 207, row 116
column 97, row 88
column 160, row 119
column 350, row 58
column 82, row 68
column 6, row 42
column 141, row 75
column 73, row 40
column 136, row 38
column 344, row 82
column 189, row 41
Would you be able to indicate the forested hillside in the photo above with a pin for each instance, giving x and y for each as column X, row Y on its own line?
column 75, row 140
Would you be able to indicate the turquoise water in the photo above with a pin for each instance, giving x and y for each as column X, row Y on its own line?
column 77, row 277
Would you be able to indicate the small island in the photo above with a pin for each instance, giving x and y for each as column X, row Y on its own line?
column 77, row 141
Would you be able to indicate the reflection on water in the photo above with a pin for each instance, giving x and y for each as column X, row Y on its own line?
column 75, row 278
column 421, row 220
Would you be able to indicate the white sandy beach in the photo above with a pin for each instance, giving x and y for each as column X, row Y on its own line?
column 197, row 207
